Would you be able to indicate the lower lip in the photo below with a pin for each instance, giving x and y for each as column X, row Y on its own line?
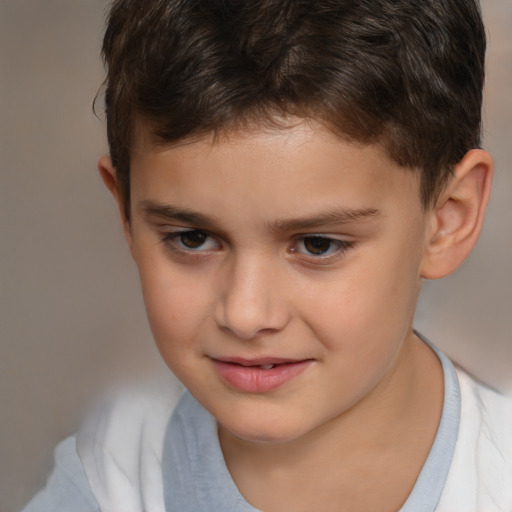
column 253, row 379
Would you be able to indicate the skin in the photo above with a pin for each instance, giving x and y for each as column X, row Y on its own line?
column 225, row 237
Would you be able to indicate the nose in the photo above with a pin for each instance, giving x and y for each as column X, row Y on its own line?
column 252, row 301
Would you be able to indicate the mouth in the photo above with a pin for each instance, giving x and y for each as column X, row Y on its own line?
column 259, row 375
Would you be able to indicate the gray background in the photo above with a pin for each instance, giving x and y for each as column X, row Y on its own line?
column 71, row 316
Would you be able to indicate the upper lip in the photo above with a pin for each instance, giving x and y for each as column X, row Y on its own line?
column 258, row 361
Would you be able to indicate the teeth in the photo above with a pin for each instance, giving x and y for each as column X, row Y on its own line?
column 267, row 366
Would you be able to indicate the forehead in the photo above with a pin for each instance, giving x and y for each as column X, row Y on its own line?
column 302, row 166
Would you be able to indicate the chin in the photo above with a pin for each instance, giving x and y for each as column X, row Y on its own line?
column 271, row 432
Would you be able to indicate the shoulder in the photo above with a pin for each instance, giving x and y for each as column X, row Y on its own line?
column 113, row 464
column 486, row 421
column 121, row 444
column 493, row 410
column 481, row 470
column 67, row 487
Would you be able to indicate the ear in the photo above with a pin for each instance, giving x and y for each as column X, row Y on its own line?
column 457, row 218
column 109, row 177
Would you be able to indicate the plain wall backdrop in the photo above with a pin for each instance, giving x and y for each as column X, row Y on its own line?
column 71, row 314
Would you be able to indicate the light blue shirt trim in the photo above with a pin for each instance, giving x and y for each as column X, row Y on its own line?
column 430, row 482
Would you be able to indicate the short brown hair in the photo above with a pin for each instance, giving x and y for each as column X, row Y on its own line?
column 405, row 73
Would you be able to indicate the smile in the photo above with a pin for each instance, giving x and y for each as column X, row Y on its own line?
column 259, row 376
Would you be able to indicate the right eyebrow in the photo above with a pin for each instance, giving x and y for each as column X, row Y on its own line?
column 177, row 214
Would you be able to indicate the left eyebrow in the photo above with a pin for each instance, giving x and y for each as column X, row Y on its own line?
column 327, row 218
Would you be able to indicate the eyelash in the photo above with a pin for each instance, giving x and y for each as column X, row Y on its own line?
column 335, row 250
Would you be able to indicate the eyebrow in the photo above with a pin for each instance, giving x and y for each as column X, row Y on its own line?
column 329, row 217
column 176, row 213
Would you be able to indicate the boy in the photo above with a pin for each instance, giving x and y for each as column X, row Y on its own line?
column 287, row 173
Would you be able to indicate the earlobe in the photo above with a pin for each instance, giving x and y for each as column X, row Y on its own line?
column 109, row 178
column 457, row 218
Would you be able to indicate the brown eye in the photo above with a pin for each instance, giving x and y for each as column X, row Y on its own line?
column 320, row 249
column 193, row 239
column 317, row 245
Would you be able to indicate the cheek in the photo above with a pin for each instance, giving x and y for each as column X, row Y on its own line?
column 368, row 309
column 177, row 306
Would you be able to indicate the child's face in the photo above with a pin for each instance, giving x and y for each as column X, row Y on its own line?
column 287, row 248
